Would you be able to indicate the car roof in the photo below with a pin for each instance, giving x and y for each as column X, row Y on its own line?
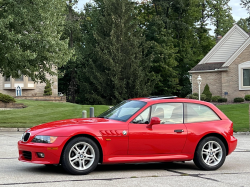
column 175, row 99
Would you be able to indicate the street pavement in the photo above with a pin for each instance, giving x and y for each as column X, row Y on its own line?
column 234, row 173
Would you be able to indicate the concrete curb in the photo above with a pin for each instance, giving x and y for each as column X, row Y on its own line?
column 13, row 129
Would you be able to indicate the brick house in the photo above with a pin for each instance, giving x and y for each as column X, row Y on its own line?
column 29, row 88
column 226, row 68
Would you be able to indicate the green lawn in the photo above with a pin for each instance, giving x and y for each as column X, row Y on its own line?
column 39, row 112
column 239, row 114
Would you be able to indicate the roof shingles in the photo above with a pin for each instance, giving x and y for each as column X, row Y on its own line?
column 207, row 66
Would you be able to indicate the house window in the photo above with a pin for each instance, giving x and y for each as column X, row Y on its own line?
column 7, row 79
column 20, row 78
column 246, row 77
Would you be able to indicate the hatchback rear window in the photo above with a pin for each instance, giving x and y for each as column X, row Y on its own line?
column 199, row 113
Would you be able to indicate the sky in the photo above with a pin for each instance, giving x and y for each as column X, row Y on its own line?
column 237, row 10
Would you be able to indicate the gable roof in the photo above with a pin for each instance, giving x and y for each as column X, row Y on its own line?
column 207, row 66
column 225, row 51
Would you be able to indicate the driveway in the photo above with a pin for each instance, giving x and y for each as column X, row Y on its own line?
column 234, row 172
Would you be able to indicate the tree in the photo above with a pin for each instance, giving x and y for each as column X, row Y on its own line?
column 207, row 92
column 246, row 4
column 30, row 34
column 47, row 89
column 221, row 16
column 244, row 24
column 114, row 66
column 68, row 72
column 163, row 57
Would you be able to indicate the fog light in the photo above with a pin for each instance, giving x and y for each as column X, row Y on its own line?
column 40, row 155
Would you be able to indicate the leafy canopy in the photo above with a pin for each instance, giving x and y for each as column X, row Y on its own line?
column 30, row 34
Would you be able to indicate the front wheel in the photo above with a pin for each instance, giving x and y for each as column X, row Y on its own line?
column 210, row 153
column 80, row 156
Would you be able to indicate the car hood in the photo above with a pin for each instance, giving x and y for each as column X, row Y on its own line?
column 70, row 122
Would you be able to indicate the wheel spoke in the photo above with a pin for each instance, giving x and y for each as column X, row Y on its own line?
column 218, row 150
column 206, row 160
column 76, row 150
column 215, row 158
column 76, row 160
column 73, row 158
column 210, row 145
column 85, row 148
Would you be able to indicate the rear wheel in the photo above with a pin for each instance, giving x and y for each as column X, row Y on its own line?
column 80, row 156
column 210, row 153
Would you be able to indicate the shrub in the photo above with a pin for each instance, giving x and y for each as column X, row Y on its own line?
column 238, row 100
column 247, row 97
column 47, row 89
column 222, row 100
column 195, row 94
column 215, row 98
column 203, row 97
column 6, row 98
column 189, row 96
column 207, row 93
column 195, row 97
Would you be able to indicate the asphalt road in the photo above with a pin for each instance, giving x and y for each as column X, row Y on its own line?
column 235, row 172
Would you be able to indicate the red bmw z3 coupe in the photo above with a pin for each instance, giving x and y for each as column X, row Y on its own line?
column 152, row 129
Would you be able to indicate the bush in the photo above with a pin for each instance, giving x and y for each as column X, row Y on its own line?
column 238, row 100
column 189, row 96
column 215, row 98
column 47, row 89
column 207, row 93
column 247, row 97
column 203, row 97
column 6, row 98
column 195, row 94
column 222, row 100
column 195, row 97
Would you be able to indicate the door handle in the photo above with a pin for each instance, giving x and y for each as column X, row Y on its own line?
column 179, row 130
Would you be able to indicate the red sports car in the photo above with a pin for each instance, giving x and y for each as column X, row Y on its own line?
column 153, row 129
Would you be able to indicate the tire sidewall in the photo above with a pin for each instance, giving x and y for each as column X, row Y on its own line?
column 198, row 154
column 65, row 156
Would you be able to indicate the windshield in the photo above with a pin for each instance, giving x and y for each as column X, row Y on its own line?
column 123, row 111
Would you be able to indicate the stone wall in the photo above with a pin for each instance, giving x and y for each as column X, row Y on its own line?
column 212, row 79
column 11, row 105
column 230, row 79
column 43, row 98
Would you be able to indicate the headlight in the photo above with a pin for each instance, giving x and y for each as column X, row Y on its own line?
column 44, row 139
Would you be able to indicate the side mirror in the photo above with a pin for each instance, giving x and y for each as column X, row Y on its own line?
column 153, row 121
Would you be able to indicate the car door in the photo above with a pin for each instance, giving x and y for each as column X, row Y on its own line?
column 168, row 137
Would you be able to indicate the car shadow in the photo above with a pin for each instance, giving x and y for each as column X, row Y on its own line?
column 147, row 166
column 58, row 170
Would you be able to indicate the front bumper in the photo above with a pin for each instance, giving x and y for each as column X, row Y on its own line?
column 52, row 152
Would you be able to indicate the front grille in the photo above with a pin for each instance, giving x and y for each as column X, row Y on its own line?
column 27, row 155
column 26, row 137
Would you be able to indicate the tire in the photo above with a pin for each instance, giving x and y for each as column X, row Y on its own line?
column 210, row 153
column 80, row 156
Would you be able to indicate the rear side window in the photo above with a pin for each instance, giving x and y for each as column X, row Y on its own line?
column 169, row 113
column 199, row 113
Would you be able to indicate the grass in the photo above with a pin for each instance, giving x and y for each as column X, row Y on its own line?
column 239, row 114
column 39, row 112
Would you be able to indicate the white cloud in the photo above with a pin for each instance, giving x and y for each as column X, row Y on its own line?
column 237, row 10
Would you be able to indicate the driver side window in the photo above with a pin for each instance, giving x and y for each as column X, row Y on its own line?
column 143, row 118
